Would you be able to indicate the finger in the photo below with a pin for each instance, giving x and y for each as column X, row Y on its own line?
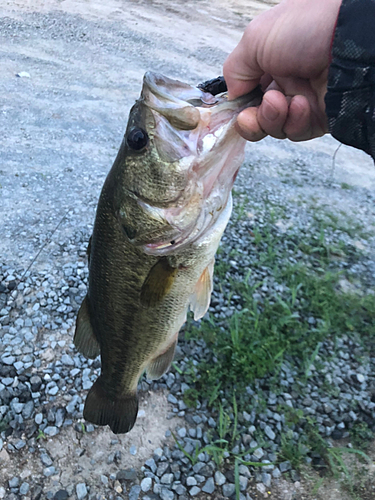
column 273, row 113
column 248, row 126
column 298, row 125
column 241, row 70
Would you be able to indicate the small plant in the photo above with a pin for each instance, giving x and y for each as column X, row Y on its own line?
column 361, row 435
column 41, row 435
column 291, row 451
column 190, row 398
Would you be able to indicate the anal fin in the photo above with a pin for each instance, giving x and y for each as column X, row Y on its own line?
column 158, row 366
column 200, row 299
column 119, row 413
column 84, row 337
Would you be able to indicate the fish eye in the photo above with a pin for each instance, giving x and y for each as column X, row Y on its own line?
column 137, row 139
column 130, row 232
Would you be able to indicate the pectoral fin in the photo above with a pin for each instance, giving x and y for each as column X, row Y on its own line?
column 158, row 283
column 200, row 299
column 160, row 365
column 84, row 337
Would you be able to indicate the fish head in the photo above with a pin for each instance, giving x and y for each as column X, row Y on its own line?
column 177, row 163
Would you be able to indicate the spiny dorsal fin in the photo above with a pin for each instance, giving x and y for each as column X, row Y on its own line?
column 200, row 299
column 84, row 337
column 158, row 283
column 160, row 365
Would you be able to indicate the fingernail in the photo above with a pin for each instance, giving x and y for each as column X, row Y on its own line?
column 269, row 112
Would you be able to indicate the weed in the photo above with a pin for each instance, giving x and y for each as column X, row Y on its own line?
column 361, row 435
column 291, row 451
column 41, row 435
column 190, row 398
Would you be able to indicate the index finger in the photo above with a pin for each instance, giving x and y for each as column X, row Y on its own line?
column 242, row 72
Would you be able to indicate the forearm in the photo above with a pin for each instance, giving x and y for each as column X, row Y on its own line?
column 350, row 98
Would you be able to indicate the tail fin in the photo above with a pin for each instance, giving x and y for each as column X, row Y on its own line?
column 120, row 414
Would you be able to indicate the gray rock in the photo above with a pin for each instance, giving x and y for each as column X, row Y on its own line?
column 81, row 491
column 16, row 407
column 158, row 453
column 38, row 418
column 67, row 361
column 134, row 492
column 126, row 475
column 220, row 479
column 244, row 471
column 179, row 489
column 269, row 432
column 28, row 410
column 62, row 495
column 191, row 481
column 51, row 431
column 228, row 489
column 276, row 473
column 266, row 479
column 360, row 378
column 194, row 491
column 172, row 399
column 243, row 482
column 166, row 494
column 2, row 492
column 49, row 471
column 24, row 489
column 285, row 466
column 59, row 417
column 20, row 444
column 167, row 479
column 146, row 484
column 209, row 486
column 133, row 450
column 8, row 360
column 151, row 464
column 182, row 432
column 14, row 482
column 46, row 459
column 162, row 468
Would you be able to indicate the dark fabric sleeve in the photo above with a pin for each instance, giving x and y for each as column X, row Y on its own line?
column 350, row 98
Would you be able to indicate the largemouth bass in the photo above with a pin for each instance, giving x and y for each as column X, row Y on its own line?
column 161, row 213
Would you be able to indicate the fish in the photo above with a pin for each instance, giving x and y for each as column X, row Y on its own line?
column 161, row 214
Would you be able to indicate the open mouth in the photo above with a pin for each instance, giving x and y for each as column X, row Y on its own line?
column 205, row 124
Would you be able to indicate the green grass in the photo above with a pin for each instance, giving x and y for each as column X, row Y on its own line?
column 256, row 340
column 274, row 328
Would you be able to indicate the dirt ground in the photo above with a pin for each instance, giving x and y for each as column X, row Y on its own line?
column 62, row 125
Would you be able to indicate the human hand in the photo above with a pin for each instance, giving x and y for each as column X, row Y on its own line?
column 287, row 51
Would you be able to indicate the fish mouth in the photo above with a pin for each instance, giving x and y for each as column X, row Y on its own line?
column 207, row 144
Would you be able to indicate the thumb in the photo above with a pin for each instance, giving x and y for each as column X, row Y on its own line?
column 241, row 70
